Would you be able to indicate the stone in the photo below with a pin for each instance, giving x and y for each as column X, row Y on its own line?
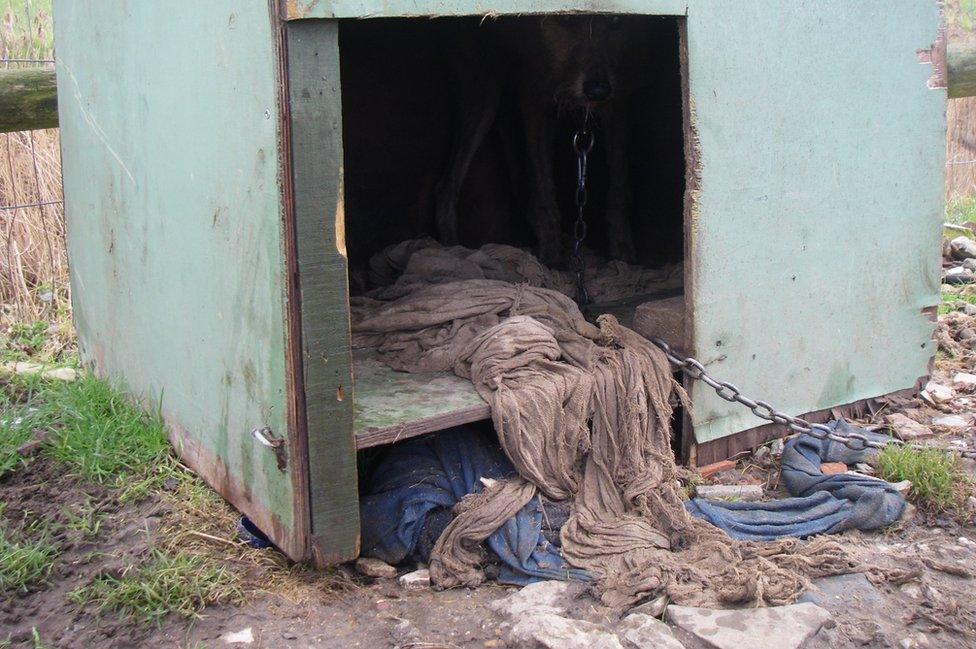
column 542, row 596
column 60, row 374
column 968, row 465
column 964, row 379
column 952, row 421
column 743, row 492
column 289, row 635
column 902, row 487
column 837, row 593
column 962, row 276
column 775, row 627
column 907, row 429
column 244, row 636
column 404, row 633
column 912, row 590
column 966, row 333
column 551, row 631
column 962, row 248
column 969, row 264
column 416, row 580
column 776, row 447
column 375, row 568
column 866, row 469
column 833, row 468
column 654, row 607
column 645, row 632
column 939, row 393
column 968, row 308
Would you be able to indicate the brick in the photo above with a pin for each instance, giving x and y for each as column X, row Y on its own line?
column 711, row 469
column 833, row 468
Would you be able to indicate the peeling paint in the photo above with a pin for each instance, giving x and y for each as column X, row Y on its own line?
column 340, row 216
column 935, row 55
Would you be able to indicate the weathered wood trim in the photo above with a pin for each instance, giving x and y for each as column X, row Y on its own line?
column 726, row 447
column 380, row 436
column 28, row 99
column 316, row 151
column 689, row 215
column 961, row 65
column 297, row 436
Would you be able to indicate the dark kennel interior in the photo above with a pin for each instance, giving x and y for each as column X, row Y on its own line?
column 402, row 110
column 401, row 114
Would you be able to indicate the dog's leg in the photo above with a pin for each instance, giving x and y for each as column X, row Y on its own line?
column 619, row 200
column 543, row 214
column 478, row 100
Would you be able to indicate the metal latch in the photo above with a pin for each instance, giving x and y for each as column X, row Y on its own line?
column 266, row 438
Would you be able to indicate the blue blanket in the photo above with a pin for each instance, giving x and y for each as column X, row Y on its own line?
column 417, row 482
column 823, row 504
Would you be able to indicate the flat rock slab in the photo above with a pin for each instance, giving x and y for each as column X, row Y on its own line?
column 543, row 597
column 744, row 492
column 550, row 631
column 779, row 627
column 645, row 632
column 839, row 592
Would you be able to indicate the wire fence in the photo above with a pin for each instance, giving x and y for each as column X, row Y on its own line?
column 33, row 260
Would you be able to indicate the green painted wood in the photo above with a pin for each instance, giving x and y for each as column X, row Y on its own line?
column 815, row 238
column 391, row 406
column 169, row 133
column 28, row 100
column 299, row 9
column 961, row 62
column 316, row 141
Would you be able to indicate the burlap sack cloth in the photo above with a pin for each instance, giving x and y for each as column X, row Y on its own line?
column 583, row 411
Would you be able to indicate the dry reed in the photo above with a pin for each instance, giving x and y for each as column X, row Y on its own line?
column 33, row 260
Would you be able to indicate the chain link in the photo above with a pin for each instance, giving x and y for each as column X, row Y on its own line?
column 583, row 141
column 728, row 391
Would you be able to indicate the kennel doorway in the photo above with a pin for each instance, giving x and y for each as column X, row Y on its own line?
column 401, row 117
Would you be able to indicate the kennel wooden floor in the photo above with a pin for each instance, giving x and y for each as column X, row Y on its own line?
column 391, row 406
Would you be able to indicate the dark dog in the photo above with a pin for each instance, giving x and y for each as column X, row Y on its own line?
column 552, row 65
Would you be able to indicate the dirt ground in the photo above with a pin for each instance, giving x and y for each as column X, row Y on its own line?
column 923, row 592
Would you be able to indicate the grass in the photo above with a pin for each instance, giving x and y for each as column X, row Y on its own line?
column 24, row 563
column 961, row 210
column 181, row 584
column 937, row 481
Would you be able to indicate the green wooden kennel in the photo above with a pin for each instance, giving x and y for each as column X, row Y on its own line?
column 204, row 184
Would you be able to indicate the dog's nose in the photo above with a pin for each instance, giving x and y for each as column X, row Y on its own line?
column 596, row 90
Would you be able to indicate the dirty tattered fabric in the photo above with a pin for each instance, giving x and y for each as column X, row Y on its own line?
column 583, row 413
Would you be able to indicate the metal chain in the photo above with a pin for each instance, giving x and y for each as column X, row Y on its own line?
column 728, row 391
column 583, row 141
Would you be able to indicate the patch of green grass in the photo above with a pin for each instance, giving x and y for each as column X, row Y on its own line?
column 87, row 520
column 183, row 584
column 23, row 562
column 97, row 432
column 13, row 434
column 937, row 481
column 949, row 299
column 961, row 210
column 24, row 341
